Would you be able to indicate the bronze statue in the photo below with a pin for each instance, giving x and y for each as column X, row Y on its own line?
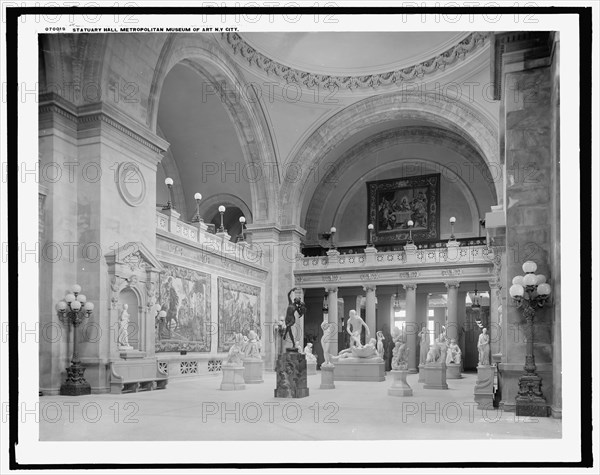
column 290, row 318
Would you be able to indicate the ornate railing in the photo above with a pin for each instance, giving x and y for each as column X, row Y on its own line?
column 460, row 255
column 209, row 242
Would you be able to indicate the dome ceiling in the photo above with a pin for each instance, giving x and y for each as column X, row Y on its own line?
column 356, row 53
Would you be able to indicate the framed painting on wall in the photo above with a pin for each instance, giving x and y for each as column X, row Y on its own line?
column 393, row 203
column 185, row 297
column 239, row 311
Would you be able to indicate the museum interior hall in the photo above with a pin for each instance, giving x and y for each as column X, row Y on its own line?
column 299, row 227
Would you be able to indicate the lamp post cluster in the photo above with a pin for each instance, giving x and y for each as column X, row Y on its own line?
column 530, row 292
column 197, row 218
column 73, row 309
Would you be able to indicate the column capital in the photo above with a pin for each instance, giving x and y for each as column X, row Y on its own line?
column 409, row 286
column 452, row 284
column 495, row 285
column 331, row 288
column 369, row 287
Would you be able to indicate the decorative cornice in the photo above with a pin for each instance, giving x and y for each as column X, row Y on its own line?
column 312, row 80
column 90, row 114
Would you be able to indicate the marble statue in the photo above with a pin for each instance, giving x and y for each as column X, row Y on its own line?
column 329, row 330
column 294, row 307
column 234, row 357
column 400, row 356
column 424, row 334
column 442, row 339
column 310, row 358
column 251, row 348
column 299, row 347
column 433, row 355
column 354, row 327
column 380, row 347
column 454, row 354
column 123, row 326
column 483, row 345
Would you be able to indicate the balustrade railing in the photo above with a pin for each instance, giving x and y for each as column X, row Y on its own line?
column 209, row 242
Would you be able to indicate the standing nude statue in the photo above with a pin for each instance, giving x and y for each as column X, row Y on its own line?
column 354, row 327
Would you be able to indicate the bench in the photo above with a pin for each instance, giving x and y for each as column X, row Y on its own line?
column 129, row 376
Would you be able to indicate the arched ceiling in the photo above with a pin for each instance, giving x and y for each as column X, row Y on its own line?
column 203, row 139
column 351, row 53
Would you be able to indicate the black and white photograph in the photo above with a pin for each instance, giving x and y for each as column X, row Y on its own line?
column 286, row 239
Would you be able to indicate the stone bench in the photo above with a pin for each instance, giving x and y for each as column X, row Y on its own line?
column 129, row 376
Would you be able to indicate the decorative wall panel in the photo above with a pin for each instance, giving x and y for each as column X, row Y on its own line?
column 239, row 311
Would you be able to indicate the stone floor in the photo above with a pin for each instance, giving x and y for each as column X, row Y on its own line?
column 195, row 409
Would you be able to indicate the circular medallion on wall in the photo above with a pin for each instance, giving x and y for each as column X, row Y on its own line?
column 131, row 183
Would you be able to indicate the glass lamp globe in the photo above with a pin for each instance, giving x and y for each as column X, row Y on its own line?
column 76, row 289
column 221, row 209
column 452, row 220
column 69, row 298
column 197, row 196
column 162, row 314
column 543, row 289
column 370, row 227
column 540, row 279
column 61, row 306
column 516, row 290
column 75, row 305
column 88, row 307
column 518, row 279
column 529, row 279
column 529, row 267
column 82, row 298
column 169, row 181
column 242, row 219
column 333, row 230
column 410, row 223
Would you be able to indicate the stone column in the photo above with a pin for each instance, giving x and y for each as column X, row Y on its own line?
column 265, row 239
column 332, row 317
column 495, row 323
column 452, row 324
column 370, row 310
column 412, row 328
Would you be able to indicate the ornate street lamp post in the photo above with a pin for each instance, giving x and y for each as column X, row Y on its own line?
column 242, row 222
column 370, row 227
column 169, row 183
column 222, row 212
column 72, row 310
column 410, row 225
column 332, row 239
column 197, row 218
column 530, row 292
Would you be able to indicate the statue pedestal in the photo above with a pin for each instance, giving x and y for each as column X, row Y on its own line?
column 528, row 403
column 421, row 374
column 400, row 387
column 453, row 371
column 327, row 377
column 434, row 376
column 359, row 369
column 291, row 375
column 253, row 371
column 311, row 368
column 233, row 378
column 484, row 387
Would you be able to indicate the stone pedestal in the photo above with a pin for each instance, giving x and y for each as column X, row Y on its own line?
column 233, row 378
column 327, row 377
column 253, row 371
column 399, row 386
column 484, row 387
column 453, row 371
column 291, row 375
column 311, row 368
column 434, row 376
column 359, row 369
column 530, row 401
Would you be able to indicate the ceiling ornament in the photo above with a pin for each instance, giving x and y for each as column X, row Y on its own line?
column 312, row 80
